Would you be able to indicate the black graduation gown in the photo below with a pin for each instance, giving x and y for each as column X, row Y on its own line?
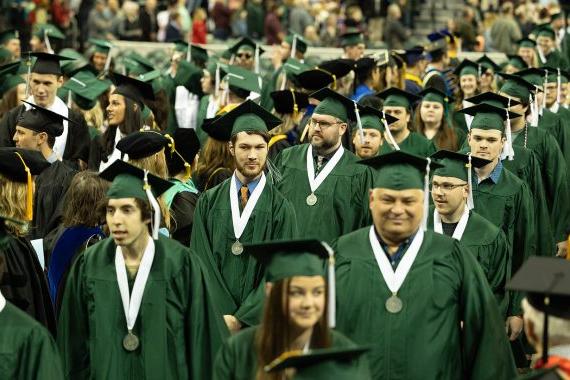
column 182, row 216
column 51, row 186
column 76, row 147
column 23, row 282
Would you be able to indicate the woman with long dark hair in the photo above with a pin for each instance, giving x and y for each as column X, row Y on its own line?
column 298, row 312
column 124, row 116
column 467, row 74
column 12, row 92
column 431, row 121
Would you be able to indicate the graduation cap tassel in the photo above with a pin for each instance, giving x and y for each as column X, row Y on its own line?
column 29, row 190
column 295, row 105
column 69, row 99
column 331, row 317
column 108, row 62
column 545, row 331
column 426, row 196
column 470, row 202
column 558, row 87
column 533, row 111
column 257, row 59
column 28, row 76
column 217, row 81
column 294, row 46
column 543, row 105
column 358, row 123
column 189, row 54
column 46, row 40
column 508, row 148
column 284, row 81
column 155, row 224
column 388, row 133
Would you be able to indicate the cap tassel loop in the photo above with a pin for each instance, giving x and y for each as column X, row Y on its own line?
column 508, row 151
column 358, row 123
column 470, row 202
column 558, row 87
column 391, row 139
column 29, row 190
column 426, row 196
column 155, row 223
column 46, row 41
column 331, row 277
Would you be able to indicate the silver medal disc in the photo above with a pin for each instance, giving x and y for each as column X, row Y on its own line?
column 130, row 342
column 237, row 248
column 311, row 199
column 394, row 304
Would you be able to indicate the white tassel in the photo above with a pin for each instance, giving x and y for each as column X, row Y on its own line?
column 426, row 196
column 189, row 54
column 358, row 123
column 155, row 224
column 558, row 87
column 28, row 76
column 46, row 41
column 331, row 317
column 543, row 105
column 217, row 81
column 470, row 202
column 508, row 148
column 108, row 61
column 68, row 98
column 294, row 46
column 284, row 81
column 256, row 62
column 533, row 110
column 391, row 139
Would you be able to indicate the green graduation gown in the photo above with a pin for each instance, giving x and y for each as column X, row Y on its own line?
column 237, row 359
column 240, row 276
column 459, row 121
column 202, row 113
column 414, row 143
column 342, row 204
column 554, row 176
column 179, row 328
column 489, row 246
column 508, row 205
column 27, row 350
column 445, row 286
column 560, row 129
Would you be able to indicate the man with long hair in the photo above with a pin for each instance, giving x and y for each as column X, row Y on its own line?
column 246, row 208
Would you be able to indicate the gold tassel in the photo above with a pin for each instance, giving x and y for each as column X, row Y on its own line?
column 30, row 191
column 295, row 105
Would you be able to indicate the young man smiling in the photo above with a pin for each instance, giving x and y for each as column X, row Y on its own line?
column 136, row 305
column 246, row 208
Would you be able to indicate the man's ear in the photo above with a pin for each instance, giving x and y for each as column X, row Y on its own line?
column 231, row 148
column 342, row 128
column 42, row 138
column 59, row 81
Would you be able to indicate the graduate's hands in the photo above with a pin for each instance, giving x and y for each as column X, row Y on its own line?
column 514, row 327
column 233, row 324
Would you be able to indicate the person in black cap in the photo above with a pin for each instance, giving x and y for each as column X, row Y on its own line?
column 546, row 314
column 438, row 66
column 404, row 291
column 136, row 304
column 245, row 208
column 368, row 75
column 23, row 283
column 416, row 63
column 45, row 78
column 289, row 106
column 145, row 150
column 37, row 129
column 124, row 116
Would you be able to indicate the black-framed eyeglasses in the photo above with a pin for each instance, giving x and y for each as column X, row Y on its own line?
column 445, row 187
column 322, row 124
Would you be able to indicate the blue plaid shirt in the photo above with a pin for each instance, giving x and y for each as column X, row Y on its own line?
column 402, row 248
column 494, row 176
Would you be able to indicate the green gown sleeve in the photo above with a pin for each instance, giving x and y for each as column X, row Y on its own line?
column 73, row 326
column 40, row 358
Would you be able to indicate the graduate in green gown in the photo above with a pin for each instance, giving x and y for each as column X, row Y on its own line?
column 502, row 198
column 222, row 222
column 298, row 314
column 321, row 179
column 136, row 305
column 405, row 291
column 453, row 216
column 548, row 53
column 399, row 104
column 28, row 351
column 372, row 121
column 467, row 73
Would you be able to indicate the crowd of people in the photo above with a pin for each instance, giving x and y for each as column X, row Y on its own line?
column 201, row 216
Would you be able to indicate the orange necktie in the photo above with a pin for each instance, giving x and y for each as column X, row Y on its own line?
column 243, row 196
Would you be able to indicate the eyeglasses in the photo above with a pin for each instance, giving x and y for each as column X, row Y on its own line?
column 244, row 55
column 445, row 187
column 322, row 124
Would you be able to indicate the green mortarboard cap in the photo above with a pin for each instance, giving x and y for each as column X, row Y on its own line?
column 5, row 55
column 371, row 118
column 41, row 119
column 86, row 89
column 186, row 146
column 131, row 88
column 189, row 76
column 9, row 69
column 75, row 63
column 242, row 79
column 142, row 144
column 47, row 63
column 7, row 35
column 526, row 43
column 198, row 54
column 136, row 64
column 12, row 167
column 544, row 30
column 517, row 62
column 351, row 37
column 467, row 67
column 301, row 45
column 289, row 258
column 324, row 74
column 516, row 86
column 322, row 363
column 488, row 117
column 8, row 82
column 247, row 117
column 41, row 30
column 564, row 76
column 128, row 182
column 289, row 101
column 432, row 94
column 334, row 104
column 492, row 99
column 455, row 164
column 551, row 74
column 293, row 66
column 101, row 46
column 532, row 75
column 245, row 43
column 394, row 97
column 488, row 63
column 399, row 170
